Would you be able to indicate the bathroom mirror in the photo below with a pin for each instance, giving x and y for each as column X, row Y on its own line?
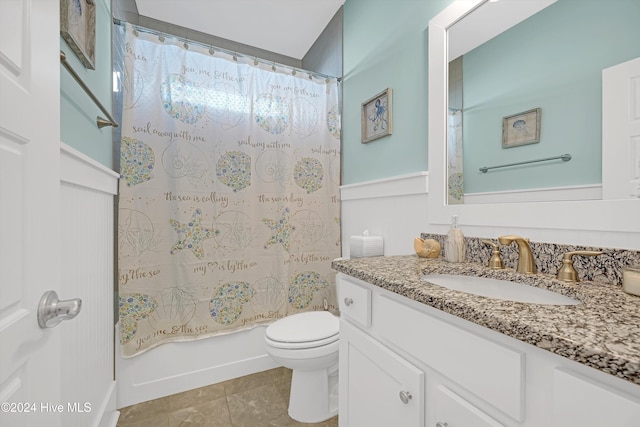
column 606, row 215
column 508, row 58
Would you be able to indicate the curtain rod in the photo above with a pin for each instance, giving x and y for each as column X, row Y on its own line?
column 235, row 54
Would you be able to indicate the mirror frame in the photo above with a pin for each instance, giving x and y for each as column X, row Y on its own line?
column 599, row 215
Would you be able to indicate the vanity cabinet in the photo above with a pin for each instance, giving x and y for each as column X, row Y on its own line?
column 403, row 363
column 377, row 387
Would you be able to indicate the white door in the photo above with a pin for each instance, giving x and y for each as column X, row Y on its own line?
column 621, row 131
column 29, row 210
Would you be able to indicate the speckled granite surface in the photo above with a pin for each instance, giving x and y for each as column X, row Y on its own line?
column 605, row 268
column 602, row 332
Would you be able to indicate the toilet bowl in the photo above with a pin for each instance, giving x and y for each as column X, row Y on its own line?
column 307, row 343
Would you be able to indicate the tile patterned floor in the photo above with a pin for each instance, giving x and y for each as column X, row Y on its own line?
column 257, row 400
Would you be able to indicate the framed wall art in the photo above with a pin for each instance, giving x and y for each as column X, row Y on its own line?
column 521, row 129
column 78, row 29
column 376, row 116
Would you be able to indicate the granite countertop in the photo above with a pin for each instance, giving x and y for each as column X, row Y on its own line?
column 602, row 332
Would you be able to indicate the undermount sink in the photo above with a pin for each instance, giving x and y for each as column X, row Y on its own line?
column 499, row 289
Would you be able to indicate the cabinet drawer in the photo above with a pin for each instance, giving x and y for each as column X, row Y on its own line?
column 491, row 371
column 453, row 410
column 580, row 401
column 354, row 301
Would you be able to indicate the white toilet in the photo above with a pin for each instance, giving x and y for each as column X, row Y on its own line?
column 308, row 344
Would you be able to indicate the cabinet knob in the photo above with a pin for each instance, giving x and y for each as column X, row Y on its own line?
column 405, row 396
column 348, row 301
column 441, row 424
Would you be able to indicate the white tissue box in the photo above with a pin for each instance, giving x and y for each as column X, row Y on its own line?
column 365, row 246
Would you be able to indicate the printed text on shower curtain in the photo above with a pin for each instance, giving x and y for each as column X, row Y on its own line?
column 228, row 205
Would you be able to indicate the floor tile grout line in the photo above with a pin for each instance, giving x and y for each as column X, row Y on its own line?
column 226, row 401
column 274, row 380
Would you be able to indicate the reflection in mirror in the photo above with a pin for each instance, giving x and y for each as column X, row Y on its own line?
column 551, row 60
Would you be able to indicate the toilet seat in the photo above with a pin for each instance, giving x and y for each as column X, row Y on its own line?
column 304, row 330
column 302, row 345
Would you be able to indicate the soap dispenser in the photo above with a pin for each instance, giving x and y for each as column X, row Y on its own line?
column 454, row 248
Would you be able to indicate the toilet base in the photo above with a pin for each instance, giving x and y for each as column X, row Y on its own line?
column 314, row 395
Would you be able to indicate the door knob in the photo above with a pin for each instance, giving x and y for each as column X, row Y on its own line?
column 441, row 424
column 52, row 311
column 348, row 301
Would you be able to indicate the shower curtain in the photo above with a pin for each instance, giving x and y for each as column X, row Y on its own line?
column 455, row 164
column 228, row 205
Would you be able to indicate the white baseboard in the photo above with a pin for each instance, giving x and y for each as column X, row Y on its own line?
column 108, row 416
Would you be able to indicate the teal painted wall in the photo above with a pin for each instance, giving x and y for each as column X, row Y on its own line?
column 385, row 45
column 554, row 61
column 77, row 112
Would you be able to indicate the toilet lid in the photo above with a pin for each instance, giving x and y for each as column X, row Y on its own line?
column 304, row 327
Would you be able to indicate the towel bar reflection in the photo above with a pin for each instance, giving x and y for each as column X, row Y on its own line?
column 101, row 122
column 564, row 157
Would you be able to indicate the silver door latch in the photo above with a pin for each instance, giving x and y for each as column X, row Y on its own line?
column 52, row 311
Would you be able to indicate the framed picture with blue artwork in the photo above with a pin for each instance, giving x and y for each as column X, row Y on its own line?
column 78, row 29
column 521, row 129
column 376, row 116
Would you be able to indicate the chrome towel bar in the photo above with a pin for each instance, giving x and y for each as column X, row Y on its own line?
column 100, row 121
column 564, row 157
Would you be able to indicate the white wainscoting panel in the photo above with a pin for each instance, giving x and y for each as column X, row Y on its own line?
column 87, row 191
column 394, row 208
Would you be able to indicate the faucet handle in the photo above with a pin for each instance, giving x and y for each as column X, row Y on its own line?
column 495, row 262
column 568, row 272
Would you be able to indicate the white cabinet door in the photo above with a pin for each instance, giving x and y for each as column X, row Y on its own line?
column 580, row 402
column 451, row 410
column 491, row 371
column 377, row 387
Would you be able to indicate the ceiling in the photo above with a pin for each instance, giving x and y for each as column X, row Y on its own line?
column 286, row 27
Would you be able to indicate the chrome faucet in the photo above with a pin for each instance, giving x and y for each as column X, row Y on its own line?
column 526, row 264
